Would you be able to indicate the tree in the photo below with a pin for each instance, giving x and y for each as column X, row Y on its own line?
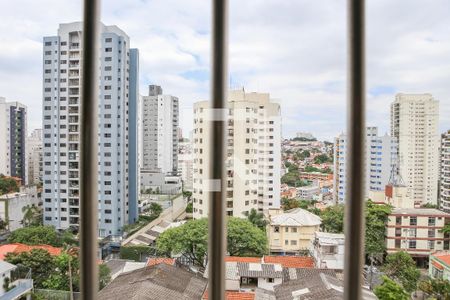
column 321, row 158
column 257, row 219
column 39, row 261
column 437, row 288
column 288, row 204
column 390, row 290
column 446, row 229
column 155, row 209
column 376, row 218
column 32, row 215
column 401, row 267
column 104, row 276
column 245, row 239
column 333, row 219
column 429, row 205
column 36, row 235
column 8, row 185
column 189, row 239
column 187, row 194
column 189, row 208
column 3, row 224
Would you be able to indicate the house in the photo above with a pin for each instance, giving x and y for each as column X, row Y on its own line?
column 230, row 295
column 251, row 273
column 417, row 231
column 245, row 274
column 289, row 193
column 292, row 231
column 308, row 192
column 439, row 266
column 328, row 250
column 19, row 288
column 120, row 266
column 161, row 281
column 19, row 248
column 314, row 284
column 12, row 206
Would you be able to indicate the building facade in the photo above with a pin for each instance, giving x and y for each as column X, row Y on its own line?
column 160, row 132
column 34, row 157
column 292, row 231
column 61, row 128
column 14, row 206
column 444, row 184
column 186, row 164
column 414, row 128
column 253, row 154
column 328, row 250
column 417, row 231
column 378, row 165
column 13, row 134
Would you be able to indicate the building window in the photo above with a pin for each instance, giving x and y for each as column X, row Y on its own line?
column 276, row 229
column 431, row 221
column 413, row 221
column 431, row 245
column 412, row 244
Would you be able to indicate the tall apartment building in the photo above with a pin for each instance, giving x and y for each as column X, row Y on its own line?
column 378, row 162
column 34, row 157
column 159, row 134
column 414, row 128
column 253, row 154
column 13, row 133
column 61, row 128
column 444, row 185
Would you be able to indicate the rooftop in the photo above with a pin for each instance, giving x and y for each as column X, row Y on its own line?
column 291, row 261
column 330, row 238
column 420, row 211
column 160, row 260
column 19, row 248
column 443, row 257
column 296, row 217
column 161, row 281
column 231, row 295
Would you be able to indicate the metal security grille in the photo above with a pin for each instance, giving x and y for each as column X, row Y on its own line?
column 355, row 124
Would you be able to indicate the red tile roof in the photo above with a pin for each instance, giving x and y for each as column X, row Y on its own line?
column 437, row 265
column 444, row 257
column 291, row 261
column 230, row 295
column 243, row 259
column 19, row 248
column 160, row 260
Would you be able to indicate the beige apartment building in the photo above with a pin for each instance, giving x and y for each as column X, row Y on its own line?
column 253, row 154
column 445, row 172
column 417, row 231
column 414, row 129
column 292, row 231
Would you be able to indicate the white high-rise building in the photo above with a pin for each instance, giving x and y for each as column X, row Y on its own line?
column 34, row 157
column 160, row 132
column 445, row 172
column 253, row 154
column 414, row 128
column 378, row 162
column 61, row 128
column 13, row 133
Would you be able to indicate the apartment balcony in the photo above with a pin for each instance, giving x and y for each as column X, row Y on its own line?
column 74, row 221
column 74, row 46
column 21, row 287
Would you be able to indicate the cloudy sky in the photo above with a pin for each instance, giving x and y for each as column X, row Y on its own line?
column 294, row 49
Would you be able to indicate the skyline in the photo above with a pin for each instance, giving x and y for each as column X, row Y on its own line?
column 406, row 52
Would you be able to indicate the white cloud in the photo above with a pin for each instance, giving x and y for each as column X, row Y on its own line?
column 294, row 49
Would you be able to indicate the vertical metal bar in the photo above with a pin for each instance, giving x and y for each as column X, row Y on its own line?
column 88, row 150
column 217, row 227
column 354, row 225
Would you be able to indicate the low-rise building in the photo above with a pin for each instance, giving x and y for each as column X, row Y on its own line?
column 13, row 285
column 292, row 231
column 417, row 231
column 311, row 176
column 289, row 193
column 439, row 266
column 161, row 281
column 328, row 250
column 13, row 206
column 308, row 192
column 156, row 182
column 18, row 248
